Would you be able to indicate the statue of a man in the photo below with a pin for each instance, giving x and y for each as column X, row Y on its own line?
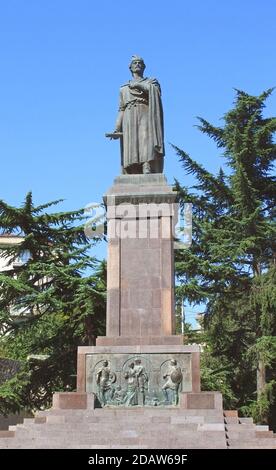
column 140, row 123
column 142, row 379
column 173, row 379
column 104, row 379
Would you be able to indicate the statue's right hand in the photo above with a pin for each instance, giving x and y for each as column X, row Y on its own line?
column 114, row 135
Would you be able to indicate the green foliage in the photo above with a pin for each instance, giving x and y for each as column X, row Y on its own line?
column 216, row 376
column 191, row 336
column 50, row 303
column 12, row 393
column 260, row 409
column 263, row 299
column 265, row 350
column 231, row 263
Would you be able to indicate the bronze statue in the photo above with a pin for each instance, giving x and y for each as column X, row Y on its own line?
column 139, row 123
column 131, row 397
column 173, row 379
column 104, row 379
column 142, row 379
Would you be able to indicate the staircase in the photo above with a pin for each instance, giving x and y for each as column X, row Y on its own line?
column 242, row 433
column 137, row 428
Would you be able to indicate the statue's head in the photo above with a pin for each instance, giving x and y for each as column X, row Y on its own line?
column 137, row 64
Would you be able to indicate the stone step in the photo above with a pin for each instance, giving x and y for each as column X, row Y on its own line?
column 39, row 419
column 254, row 443
column 251, row 445
column 236, row 420
column 108, row 414
column 261, row 427
column 152, row 445
column 28, row 421
column 97, row 437
column 98, row 433
column 95, row 430
column 246, row 420
column 4, row 434
column 231, row 420
column 13, row 427
column 265, row 434
column 159, row 441
column 156, row 411
column 211, row 427
column 251, row 434
column 230, row 413
column 239, row 427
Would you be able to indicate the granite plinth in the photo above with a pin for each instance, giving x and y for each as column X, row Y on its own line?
column 141, row 214
column 70, row 400
column 202, row 400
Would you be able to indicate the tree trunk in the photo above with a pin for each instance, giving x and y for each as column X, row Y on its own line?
column 260, row 365
column 90, row 330
column 261, row 382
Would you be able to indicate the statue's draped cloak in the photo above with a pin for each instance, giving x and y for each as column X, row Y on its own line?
column 142, row 125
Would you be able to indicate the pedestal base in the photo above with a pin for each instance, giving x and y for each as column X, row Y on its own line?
column 144, row 375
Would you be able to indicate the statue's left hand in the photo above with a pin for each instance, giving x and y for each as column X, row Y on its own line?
column 132, row 85
column 136, row 86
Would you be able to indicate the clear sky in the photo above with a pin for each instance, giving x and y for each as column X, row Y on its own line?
column 62, row 63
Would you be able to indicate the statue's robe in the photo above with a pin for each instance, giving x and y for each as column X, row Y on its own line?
column 142, row 124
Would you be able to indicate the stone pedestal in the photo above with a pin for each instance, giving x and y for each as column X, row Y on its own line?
column 141, row 214
column 140, row 361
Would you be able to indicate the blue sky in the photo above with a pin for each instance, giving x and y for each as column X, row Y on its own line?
column 62, row 63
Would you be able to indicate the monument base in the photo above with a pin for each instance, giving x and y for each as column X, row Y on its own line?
column 144, row 375
column 187, row 401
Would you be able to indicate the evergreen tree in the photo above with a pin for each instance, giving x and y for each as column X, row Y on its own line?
column 234, row 241
column 50, row 303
